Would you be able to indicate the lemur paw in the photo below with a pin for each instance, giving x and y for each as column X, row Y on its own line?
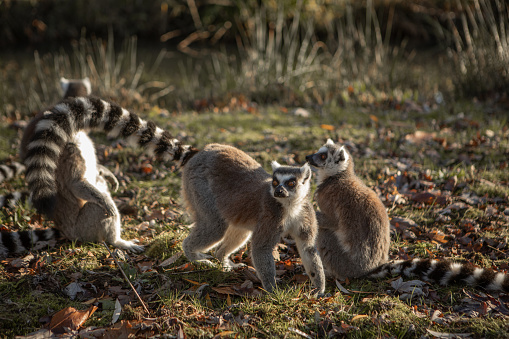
column 229, row 265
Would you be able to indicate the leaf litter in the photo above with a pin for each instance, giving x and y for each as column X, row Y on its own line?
column 435, row 212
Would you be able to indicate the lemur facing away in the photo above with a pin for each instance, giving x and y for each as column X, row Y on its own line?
column 65, row 182
column 353, row 236
column 70, row 88
column 231, row 199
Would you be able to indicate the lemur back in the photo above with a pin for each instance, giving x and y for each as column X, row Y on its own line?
column 353, row 236
column 231, row 199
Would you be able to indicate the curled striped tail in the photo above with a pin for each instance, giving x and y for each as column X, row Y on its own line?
column 59, row 125
column 10, row 171
column 444, row 272
column 10, row 200
column 18, row 242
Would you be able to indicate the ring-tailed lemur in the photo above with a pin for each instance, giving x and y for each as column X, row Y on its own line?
column 70, row 88
column 10, row 171
column 353, row 235
column 231, row 199
column 62, row 172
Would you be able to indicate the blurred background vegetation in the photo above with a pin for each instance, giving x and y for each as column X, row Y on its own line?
column 197, row 54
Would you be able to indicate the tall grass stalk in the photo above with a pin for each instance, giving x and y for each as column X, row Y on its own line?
column 480, row 52
column 284, row 60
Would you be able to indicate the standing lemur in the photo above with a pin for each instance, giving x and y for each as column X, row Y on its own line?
column 231, row 198
column 353, row 236
column 63, row 176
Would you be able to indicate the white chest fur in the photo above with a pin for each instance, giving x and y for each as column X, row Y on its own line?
column 87, row 149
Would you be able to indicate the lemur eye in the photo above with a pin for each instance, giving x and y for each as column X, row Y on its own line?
column 275, row 182
column 291, row 183
column 323, row 156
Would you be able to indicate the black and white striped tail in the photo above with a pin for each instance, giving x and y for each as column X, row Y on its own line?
column 60, row 123
column 10, row 200
column 19, row 242
column 10, row 171
column 445, row 272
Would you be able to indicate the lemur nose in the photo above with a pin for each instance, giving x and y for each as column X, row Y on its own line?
column 308, row 157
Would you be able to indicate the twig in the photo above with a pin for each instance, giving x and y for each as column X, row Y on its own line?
column 126, row 278
column 188, row 272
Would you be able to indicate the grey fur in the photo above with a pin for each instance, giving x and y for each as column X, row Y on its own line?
column 86, row 211
column 353, row 236
column 231, row 199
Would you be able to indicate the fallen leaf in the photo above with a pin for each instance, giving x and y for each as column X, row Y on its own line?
column 116, row 312
column 73, row 289
column 225, row 333
column 299, row 332
column 429, row 198
column 70, row 318
column 171, row 260
column 443, row 335
column 419, row 137
column 341, row 288
column 327, row 127
column 208, row 301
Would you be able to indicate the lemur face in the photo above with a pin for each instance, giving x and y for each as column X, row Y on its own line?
column 290, row 182
column 330, row 158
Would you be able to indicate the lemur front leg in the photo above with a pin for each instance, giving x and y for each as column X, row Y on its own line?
column 86, row 191
column 306, row 245
column 108, row 175
column 262, row 245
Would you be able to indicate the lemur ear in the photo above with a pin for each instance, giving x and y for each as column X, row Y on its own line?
column 329, row 142
column 305, row 170
column 340, row 155
column 275, row 165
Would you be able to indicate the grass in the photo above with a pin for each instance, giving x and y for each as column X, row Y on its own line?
column 267, row 134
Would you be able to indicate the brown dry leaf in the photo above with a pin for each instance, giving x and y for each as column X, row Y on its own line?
column 438, row 236
column 341, row 329
column 71, row 318
column 429, row 198
column 225, row 290
column 145, row 266
column 185, row 267
column 171, row 260
column 300, row 278
column 122, row 329
column 225, row 333
column 208, row 301
column 156, row 215
column 420, row 137
column 327, row 127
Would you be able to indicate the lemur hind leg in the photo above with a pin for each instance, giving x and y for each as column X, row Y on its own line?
column 334, row 258
column 94, row 225
column 206, row 234
column 234, row 239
